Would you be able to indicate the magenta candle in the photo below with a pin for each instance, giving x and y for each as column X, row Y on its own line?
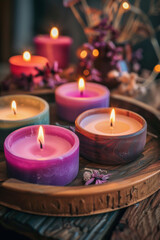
column 70, row 101
column 55, row 48
column 52, row 162
column 19, row 64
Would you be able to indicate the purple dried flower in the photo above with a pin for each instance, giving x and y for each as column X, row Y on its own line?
column 90, row 181
column 111, row 45
column 95, row 177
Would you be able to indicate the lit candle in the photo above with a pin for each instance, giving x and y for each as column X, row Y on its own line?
column 72, row 100
column 81, row 86
column 54, row 47
column 26, row 64
column 116, row 136
column 21, row 110
column 110, row 124
column 42, row 154
column 14, row 107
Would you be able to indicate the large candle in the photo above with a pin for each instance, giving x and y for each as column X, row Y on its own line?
column 54, row 47
column 21, row 110
column 111, row 138
column 71, row 100
column 42, row 154
column 26, row 64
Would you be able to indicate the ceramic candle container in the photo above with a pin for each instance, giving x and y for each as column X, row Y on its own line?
column 70, row 102
column 111, row 142
column 54, row 48
column 31, row 110
column 26, row 64
column 55, row 162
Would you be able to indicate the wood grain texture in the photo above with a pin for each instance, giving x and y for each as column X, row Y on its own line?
column 43, row 227
column 127, row 185
column 111, row 150
column 141, row 221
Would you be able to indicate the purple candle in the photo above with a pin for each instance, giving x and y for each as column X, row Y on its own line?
column 49, row 156
column 54, row 47
column 72, row 100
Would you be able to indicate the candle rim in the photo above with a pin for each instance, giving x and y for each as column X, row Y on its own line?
column 41, row 38
column 23, row 63
column 103, row 110
column 73, row 148
column 45, row 109
column 84, row 99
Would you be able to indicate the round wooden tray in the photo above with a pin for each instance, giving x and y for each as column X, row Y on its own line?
column 128, row 184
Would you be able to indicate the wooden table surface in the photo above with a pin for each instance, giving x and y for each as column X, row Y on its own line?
column 139, row 221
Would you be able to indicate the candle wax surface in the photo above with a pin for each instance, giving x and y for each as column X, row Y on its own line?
column 6, row 113
column 100, row 124
column 85, row 94
column 29, row 147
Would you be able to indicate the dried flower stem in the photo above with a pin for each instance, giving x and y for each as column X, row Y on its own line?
column 78, row 17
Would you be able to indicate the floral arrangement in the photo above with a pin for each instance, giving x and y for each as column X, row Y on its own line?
column 51, row 77
column 112, row 31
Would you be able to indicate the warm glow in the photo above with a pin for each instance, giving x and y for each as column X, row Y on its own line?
column 95, row 52
column 81, row 85
column 83, row 54
column 112, row 118
column 26, row 56
column 14, row 107
column 54, row 33
column 157, row 68
column 125, row 5
column 41, row 136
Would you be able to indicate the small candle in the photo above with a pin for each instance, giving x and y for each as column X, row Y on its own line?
column 21, row 110
column 42, row 154
column 12, row 113
column 73, row 99
column 54, row 47
column 111, row 137
column 26, row 64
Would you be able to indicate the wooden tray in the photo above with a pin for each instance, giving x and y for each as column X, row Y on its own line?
column 127, row 185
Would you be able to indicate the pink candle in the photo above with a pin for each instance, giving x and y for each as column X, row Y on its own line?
column 26, row 64
column 72, row 101
column 54, row 47
column 48, row 157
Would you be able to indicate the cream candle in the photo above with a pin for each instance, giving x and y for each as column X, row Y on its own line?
column 14, row 113
column 54, row 47
column 72, row 100
column 21, row 110
column 111, row 139
column 26, row 64
column 101, row 124
column 42, row 154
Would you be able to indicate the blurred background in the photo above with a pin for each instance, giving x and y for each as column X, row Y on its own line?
column 21, row 20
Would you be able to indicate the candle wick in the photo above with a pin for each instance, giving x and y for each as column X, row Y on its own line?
column 81, row 93
column 111, row 124
column 41, row 146
column 14, row 112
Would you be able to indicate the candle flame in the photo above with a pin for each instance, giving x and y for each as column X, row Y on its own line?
column 54, row 33
column 26, row 56
column 41, row 136
column 112, row 118
column 81, row 85
column 14, row 107
column 125, row 5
